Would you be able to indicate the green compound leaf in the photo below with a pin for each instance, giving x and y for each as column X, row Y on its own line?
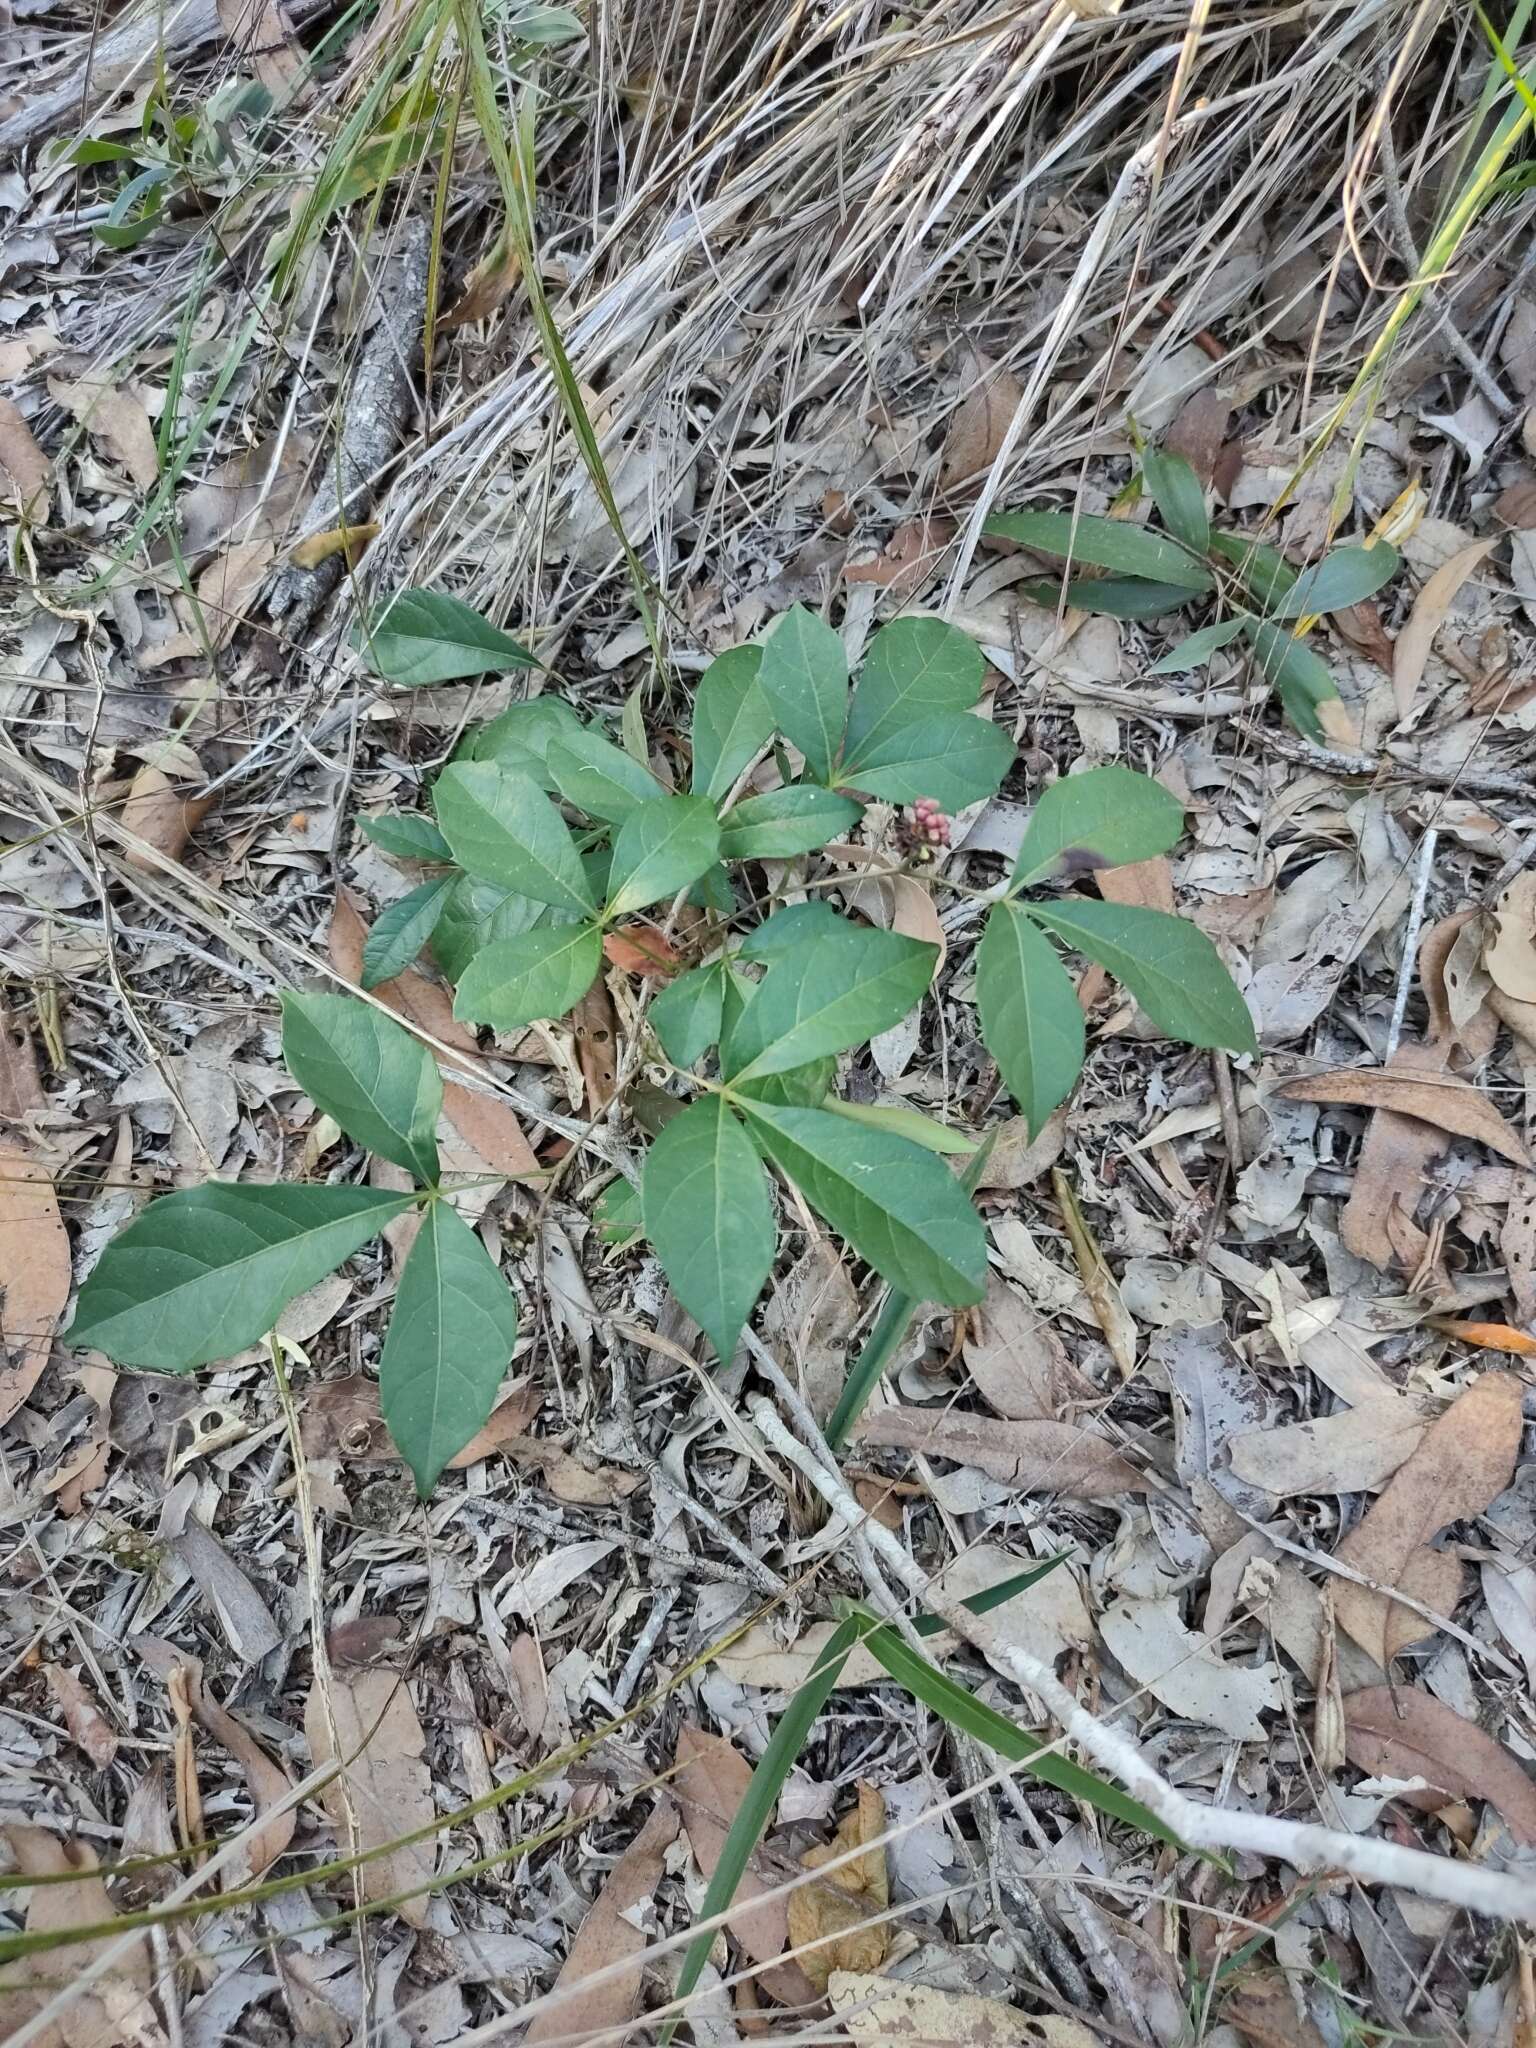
column 1031, row 1020
column 598, row 777
column 837, row 989
column 1112, row 544
column 804, row 676
column 403, row 928
column 521, row 736
column 1179, row 497
column 659, row 849
column 785, row 822
column 1301, row 679
column 425, row 636
column 686, row 1015
column 898, row 1206
column 477, row 914
column 361, row 1067
column 204, row 1273
column 952, row 756
column 732, row 721
column 504, row 829
column 540, row 974
column 1167, row 963
column 449, row 1342
column 407, row 836
column 1103, row 818
column 915, row 668
column 709, row 1217
column 1347, row 576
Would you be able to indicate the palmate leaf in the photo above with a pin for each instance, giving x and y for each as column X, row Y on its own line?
column 448, row 1343
column 542, row 973
column 804, row 676
column 841, row 987
column 206, row 1272
column 503, row 828
column 598, row 777
column 709, row 1217
column 1102, row 818
column 732, row 720
column 361, row 1067
column 785, row 822
column 1031, row 1020
column 426, row 636
column 1167, row 963
column 915, row 668
column 898, row 1206
column 403, row 928
column 952, row 756
column 1113, row 544
column 659, row 849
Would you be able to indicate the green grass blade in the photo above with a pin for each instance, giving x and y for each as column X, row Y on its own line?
column 994, row 1596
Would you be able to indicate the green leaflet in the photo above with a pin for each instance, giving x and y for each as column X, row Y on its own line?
column 521, row 737
column 732, row 721
column 789, row 928
column 1115, row 597
column 1345, row 577
column 659, row 849
column 1102, row 818
column 1097, row 543
column 617, row 1214
column 953, row 756
column 503, row 828
column 407, row 836
column 403, row 928
column 838, row 989
column 539, row 974
column 206, row 1272
column 914, row 670
column 1167, row 963
column 686, row 1015
column 476, row 914
column 1031, row 1020
column 906, row 1123
column 785, row 822
column 1198, row 647
column 598, row 777
column 1265, row 573
column 449, row 1342
column 804, row 676
column 1301, row 678
column 897, row 1205
column 1179, row 497
column 425, row 636
column 705, row 1202
column 361, row 1067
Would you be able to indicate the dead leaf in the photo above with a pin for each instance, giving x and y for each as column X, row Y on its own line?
column 642, row 949
column 263, row 36
column 1510, row 955
column 491, row 1127
column 115, row 2011
column 1355, row 1451
column 21, row 1088
column 252, row 496
column 608, row 1936
column 710, row 1783
column 1427, row 617
column 1147, row 883
column 888, row 2009
column 1018, row 1160
column 88, row 1727
column 34, row 1275
column 759, row 1658
column 1018, row 1362
column 1517, row 1242
column 1099, row 1284
column 1198, row 431
column 1392, row 1173
column 1186, row 1672
column 384, row 1780
column 596, row 1024
column 1487, row 1336
column 1395, row 1731
column 114, row 415
column 349, row 541
column 1045, row 1621
column 410, row 995
column 1360, row 627
column 1439, row 1100
column 979, row 426
column 1454, row 991
column 1464, row 1460
column 24, row 468
column 226, row 590
column 1262, row 2006
column 1516, row 505
column 158, row 813
column 908, row 558
column 1036, row 1457
column 836, row 1915
column 487, row 285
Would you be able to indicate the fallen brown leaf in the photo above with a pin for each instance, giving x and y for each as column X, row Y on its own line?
column 24, row 468
column 1516, row 505
column 1355, row 1451
column 642, row 949
column 21, row 1088
column 1392, row 1172
column 883, row 2010
column 114, row 2012
column 88, row 1727
column 1488, row 1336
column 158, row 813
column 1261, row 2007
column 1395, row 1731
column 608, row 1936
column 1037, row 1457
column 596, row 1024
column 384, row 1780
column 1147, row 883
column 1427, row 617
column 114, row 415
column 1018, row 1362
column 832, row 1924
column 908, row 558
column 978, row 427
column 34, row 1275
column 1510, row 954
column 1198, row 433
column 1440, row 1100
column 1463, row 1461
column 351, row 541
column 269, row 1783
column 251, row 496
column 1099, row 1284
column 410, row 995
column 1359, row 625
column 491, row 1127
column 491, row 281
column 263, row 37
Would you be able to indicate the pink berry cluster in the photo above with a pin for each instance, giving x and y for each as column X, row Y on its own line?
column 929, row 824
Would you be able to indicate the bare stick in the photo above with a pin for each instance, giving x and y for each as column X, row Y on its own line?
column 1411, row 938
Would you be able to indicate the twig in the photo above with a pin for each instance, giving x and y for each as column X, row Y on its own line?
column 1411, row 937
column 1306, row 1847
column 1330, row 761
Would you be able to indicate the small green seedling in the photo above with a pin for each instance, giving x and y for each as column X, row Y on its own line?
column 1258, row 595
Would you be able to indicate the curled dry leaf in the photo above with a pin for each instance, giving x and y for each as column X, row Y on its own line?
column 1263, row 2008
column 883, row 2010
column 580, row 2010
column 1437, row 1099
column 1427, row 617
column 1099, row 1284
column 1377, row 1223
column 642, row 949
column 114, row 415
column 1462, row 1463
column 1487, row 1336
column 491, row 281
column 34, row 1274
column 160, row 812
column 908, row 558
column 269, row 1783
column 596, row 1023
column 367, row 1718
column 1395, row 1731
column 24, row 467
column 88, row 1727
column 1185, row 1672
column 1036, row 1457
column 113, row 2012
column 833, row 1924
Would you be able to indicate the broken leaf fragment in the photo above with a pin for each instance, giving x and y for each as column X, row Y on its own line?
column 836, row 1924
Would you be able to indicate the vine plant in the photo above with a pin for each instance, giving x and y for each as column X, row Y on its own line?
column 548, row 837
